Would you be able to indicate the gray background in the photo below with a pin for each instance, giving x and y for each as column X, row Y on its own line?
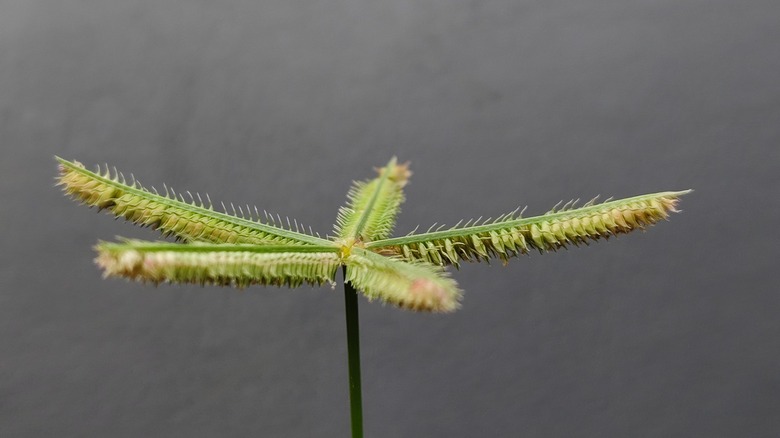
column 497, row 103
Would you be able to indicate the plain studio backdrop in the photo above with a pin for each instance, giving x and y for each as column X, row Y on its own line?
column 497, row 103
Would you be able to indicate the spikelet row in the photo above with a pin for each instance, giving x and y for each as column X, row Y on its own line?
column 555, row 230
column 223, row 268
column 171, row 216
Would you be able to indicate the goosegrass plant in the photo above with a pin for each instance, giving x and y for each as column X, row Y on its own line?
column 244, row 246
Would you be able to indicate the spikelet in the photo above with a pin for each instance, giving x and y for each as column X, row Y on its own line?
column 511, row 236
column 412, row 286
column 188, row 221
column 373, row 205
column 213, row 264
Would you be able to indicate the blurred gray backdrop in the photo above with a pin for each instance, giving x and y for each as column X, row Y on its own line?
column 497, row 103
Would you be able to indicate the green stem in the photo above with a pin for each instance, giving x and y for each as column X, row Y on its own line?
column 353, row 355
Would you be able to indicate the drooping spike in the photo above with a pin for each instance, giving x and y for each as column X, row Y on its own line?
column 417, row 286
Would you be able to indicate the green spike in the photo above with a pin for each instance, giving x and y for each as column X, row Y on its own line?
column 219, row 264
column 373, row 205
column 546, row 232
column 171, row 216
column 418, row 286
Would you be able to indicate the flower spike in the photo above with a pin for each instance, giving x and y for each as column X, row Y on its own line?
column 170, row 214
column 373, row 205
column 219, row 264
column 512, row 236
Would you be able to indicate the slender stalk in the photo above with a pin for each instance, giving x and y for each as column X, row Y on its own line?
column 353, row 355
